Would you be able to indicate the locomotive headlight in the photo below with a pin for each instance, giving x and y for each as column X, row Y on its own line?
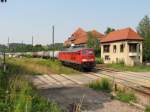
column 84, row 60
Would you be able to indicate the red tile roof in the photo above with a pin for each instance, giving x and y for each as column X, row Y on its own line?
column 81, row 37
column 123, row 34
column 97, row 34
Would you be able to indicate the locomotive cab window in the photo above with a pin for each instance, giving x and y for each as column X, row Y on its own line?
column 84, row 52
column 87, row 52
column 90, row 52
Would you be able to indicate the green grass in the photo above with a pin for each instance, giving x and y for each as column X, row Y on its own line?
column 122, row 67
column 56, row 66
column 104, row 84
column 24, row 98
column 18, row 95
column 125, row 96
column 147, row 109
column 41, row 66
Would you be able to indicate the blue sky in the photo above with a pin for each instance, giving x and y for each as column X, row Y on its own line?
column 22, row 19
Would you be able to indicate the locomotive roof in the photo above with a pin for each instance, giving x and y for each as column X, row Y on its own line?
column 74, row 49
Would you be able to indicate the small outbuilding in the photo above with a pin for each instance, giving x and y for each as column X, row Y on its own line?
column 124, row 45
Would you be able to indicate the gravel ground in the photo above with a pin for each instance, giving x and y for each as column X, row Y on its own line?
column 117, row 106
column 93, row 101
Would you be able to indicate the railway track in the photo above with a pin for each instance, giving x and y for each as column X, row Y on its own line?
column 129, row 80
column 139, row 80
column 102, row 67
column 137, row 75
column 58, row 81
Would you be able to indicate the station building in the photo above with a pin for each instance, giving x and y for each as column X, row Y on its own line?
column 124, row 45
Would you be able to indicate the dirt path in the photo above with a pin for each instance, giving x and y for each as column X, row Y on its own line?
column 67, row 90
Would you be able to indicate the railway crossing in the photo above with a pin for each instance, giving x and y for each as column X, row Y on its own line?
column 131, row 79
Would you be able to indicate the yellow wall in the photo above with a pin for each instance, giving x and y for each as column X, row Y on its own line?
column 121, row 56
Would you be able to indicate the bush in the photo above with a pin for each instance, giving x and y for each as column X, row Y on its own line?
column 147, row 109
column 104, row 84
column 97, row 52
column 99, row 60
column 125, row 96
column 3, row 80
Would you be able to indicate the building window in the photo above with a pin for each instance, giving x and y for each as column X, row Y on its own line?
column 107, row 57
column 106, row 48
column 121, row 48
column 133, row 47
column 114, row 48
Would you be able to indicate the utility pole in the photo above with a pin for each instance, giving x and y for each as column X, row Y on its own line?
column 32, row 42
column 53, row 31
column 22, row 45
column 8, row 45
column 4, row 62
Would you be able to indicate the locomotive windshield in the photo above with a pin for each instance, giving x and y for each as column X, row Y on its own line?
column 87, row 52
column 90, row 52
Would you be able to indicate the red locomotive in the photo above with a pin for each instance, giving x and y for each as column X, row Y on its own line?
column 82, row 58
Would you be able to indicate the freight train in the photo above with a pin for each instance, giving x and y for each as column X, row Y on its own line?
column 40, row 54
column 82, row 58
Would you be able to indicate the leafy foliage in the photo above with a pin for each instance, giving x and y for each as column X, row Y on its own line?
column 144, row 30
column 57, row 46
column 108, row 30
column 21, row 47
column 2, row 48
column 99, row 60
column 94, row 43
column 147, row 109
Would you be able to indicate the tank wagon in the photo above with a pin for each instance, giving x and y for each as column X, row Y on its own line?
column 82, row 58
column 45, row 54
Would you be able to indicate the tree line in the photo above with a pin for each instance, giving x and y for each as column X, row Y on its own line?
column 21, row 47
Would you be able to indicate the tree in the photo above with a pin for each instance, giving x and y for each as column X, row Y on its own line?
column 108, row 30
column 144, row 31
column 3, row 0
column 93, row 43
column 57, row 46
